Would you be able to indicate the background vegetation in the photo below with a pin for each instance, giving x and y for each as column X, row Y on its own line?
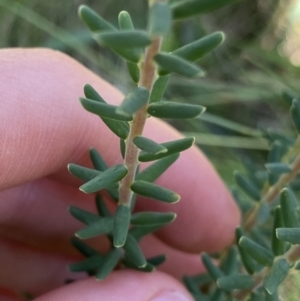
column 249, row 83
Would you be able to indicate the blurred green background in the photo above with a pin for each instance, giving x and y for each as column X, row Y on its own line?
column 245, row 79
column 250, row 80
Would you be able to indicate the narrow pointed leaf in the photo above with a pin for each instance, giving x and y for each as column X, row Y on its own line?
column 154, row 171
column 256, row 251
column 101, row 207
column 124, row 39
column 133, row 101
column 152, row 218
column 175, row 64
column 159, row 88
column 93, row 20
column 199, row 48
column 230, row 264
column 157, row 260
column 148, row 268
column 278, row 168
column 111, row 260
column 156, row 192
column 277, row 274
column 186, row 9
column 278, row 247
column 102, row 226
column 297, row 265
column 244, row 204
column 174, row 110
column 83, row 173
column 104, row 110
column 121, row 225
column 133, row 71
column 87, row 264
column 97, row 160
column 249, row 264
column 211, row 268
column 134, row 252
column 291, row 235
column 122, row 148
column 120, row 128
column 139, row 232
column 84, row 216
column 193, row 288
column 125, row 21
column 149, row 145
column 160, row 19
column 295, row 113
column 83, row 248
column 247, row 186
column 288, row 210
column 105, row 180
column 173, row 147
column 271, row 297
column 235, row 281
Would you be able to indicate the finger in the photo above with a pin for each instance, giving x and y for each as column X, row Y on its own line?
column 28, row 269
column 123, row 286
column 44, row 123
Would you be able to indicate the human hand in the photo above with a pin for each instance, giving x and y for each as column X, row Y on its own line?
column 43, row 128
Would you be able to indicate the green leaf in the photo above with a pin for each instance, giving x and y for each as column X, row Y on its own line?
column 297, row 265
column 82, row 173
column 247, row 186
column 291, row 235
column 175, row 64
column 288, row 210
column 189, row 8
column 278, row 168
column 111, row 260
column 121, row 225
column 104, row 110
column 104, row 225
column 124, row 39
column 211, row 268
column 133, row 101
column 156, row 192
column 256, row 251
column 101, row 207
column 157, row 260
column 120, row 128
column 133, row 251
column 173, row 147
column 230, row 263
column 149, row 145
column 244, row 204
column 295, row 113
column 148, row 268
column 197, row 49
column 235, row 281
column 134, row 71
column 97, row 160
column 277, row 274
column 83, row 215
column 154, row 171
column 138, row 232
column 160, row 19
column 273, row 297
column 87, row 264
column 105, row 180
column 152, row 218
column 193, row 288
column 278, row 247
column 247, row 261
column 174, row 110
column 93, row 21
column 83, row 248
column 159, row 88
column 125, row 21
column 122, row 147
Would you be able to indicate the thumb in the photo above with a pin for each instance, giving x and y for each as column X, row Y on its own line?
column 122, row 286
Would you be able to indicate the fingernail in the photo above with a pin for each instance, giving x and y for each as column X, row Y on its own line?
column 171, row 296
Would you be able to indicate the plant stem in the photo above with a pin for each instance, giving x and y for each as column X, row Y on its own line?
column 148, row 74
column 274, row 190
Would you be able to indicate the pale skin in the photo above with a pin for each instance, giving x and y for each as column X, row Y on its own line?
column 43, row 128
